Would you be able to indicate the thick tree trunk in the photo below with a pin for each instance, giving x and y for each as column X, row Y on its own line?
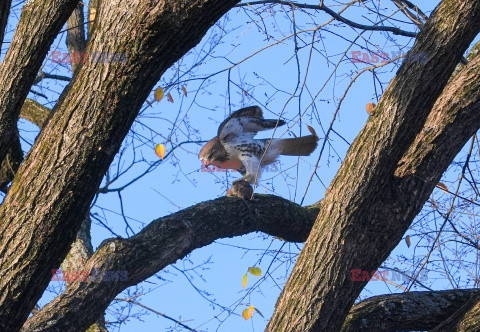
column 368, row 207
column 38, row 26
column 78, row 255
column 4, row 10
column 398, row 157
column 455, row 117
column 465, row 319
column 469, row 322
column 30, row 44
column 51, row 193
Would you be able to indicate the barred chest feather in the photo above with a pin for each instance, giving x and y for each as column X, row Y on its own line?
column 242, row 147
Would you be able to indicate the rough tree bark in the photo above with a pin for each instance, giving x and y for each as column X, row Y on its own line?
column 27, row 50
column 38, row 26
column 64, row 171
column 369, row 205
column 455, row 115
column 465, row 319
column 4, row 11
column 76, row 41
column 412, row 311
column 399, row 157
column 468, row 322
column 164, row 241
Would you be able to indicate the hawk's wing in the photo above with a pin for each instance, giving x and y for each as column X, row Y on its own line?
column 247, row 112
column 246, row 122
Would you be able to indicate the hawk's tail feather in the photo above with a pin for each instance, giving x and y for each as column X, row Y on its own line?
column 298, row 146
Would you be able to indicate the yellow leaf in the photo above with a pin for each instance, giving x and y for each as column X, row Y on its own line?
column 184, row 91
column 370, row 107
column 443, row 186
column 158, row 95
column 247, row 313
column 407, row 240
column 93, row 13
column 256, row 271
column 244, row 280
column 170, row 98
column 160, row 150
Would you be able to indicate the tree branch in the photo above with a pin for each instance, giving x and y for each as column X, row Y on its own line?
column 415, row 8
column 406, row 311
column 9, row 165
column 466, row 318
column 338, row 17
column 38, row 26
column 76, row 41
column 42, row 75
column 4, row 12
column 51, row 193
column 35, row 112
column 163, row 242
column 159, row 314
column 368, row 207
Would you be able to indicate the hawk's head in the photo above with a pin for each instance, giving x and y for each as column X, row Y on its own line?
column 213, row 153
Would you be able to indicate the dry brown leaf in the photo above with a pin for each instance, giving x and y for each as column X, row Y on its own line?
column 407, row 240
column 310, row 129
column 443, row 186
column 370, row 107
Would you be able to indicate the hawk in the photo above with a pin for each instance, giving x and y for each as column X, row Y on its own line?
column 234, row 147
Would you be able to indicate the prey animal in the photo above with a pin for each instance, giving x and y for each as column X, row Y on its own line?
column 235, row 147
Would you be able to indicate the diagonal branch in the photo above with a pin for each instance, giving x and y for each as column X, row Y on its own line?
column 415, row 19
column 35, row 113
column 4, row 12
column 165, row 241
column 414, row 8
column 410, row 311
column 367, row 209
column 38, row 26
column 52, row 190
column 158, row 313
column 76, row 41
column 466, row 318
